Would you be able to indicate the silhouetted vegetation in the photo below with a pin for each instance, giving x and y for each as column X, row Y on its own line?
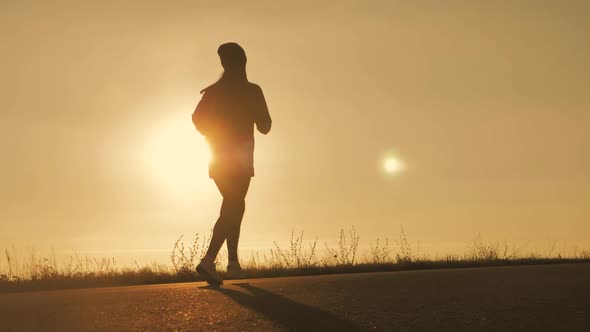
column 297, row 259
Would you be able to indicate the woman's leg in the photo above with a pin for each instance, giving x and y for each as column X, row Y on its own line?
column 219, row 235
column 241, row 186
column 233, row 190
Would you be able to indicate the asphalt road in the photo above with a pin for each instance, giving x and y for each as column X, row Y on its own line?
column 529, row 298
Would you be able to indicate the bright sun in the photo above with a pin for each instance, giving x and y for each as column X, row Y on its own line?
column 393, row 165
column 175, row 156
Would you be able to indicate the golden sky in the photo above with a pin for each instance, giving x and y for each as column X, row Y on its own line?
column 485, row 103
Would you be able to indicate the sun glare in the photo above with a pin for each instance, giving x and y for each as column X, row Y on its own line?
column 392, row 165
column 175, row 157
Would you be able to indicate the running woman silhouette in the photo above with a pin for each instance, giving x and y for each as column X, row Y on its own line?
column 226, row 116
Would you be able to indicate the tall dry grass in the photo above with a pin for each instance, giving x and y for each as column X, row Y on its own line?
column 299, row 257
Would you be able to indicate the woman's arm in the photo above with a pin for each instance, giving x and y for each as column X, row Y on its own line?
column 202, row 114
column 262, row 115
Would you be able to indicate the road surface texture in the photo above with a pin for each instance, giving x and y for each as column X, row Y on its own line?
column 527, row 298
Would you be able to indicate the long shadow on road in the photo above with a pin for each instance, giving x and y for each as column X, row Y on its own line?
column 292, row 315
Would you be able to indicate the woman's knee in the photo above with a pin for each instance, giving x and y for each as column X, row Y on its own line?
column 240, row 205
column 233, row 205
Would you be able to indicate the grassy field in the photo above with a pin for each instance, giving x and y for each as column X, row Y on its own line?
column 298, row 258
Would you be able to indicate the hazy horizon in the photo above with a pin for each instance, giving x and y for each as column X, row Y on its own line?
column 486, row 105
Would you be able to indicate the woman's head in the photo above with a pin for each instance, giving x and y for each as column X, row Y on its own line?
column 233, row 57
